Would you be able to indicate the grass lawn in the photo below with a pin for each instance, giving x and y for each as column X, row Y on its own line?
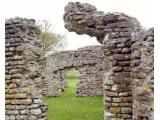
column 69, row 107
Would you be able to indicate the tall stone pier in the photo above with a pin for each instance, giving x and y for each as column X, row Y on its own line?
column 115, row 31
column 23, row 66
column 143, row 75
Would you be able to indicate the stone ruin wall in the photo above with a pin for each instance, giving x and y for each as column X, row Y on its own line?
column 23, row 66
column 88, row 61
column 143, row 75
column 115, row 32
column 129, row 54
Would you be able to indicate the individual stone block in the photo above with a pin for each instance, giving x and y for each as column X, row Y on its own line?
column 118, row 88
column 107, row 104
column 20, row 107
column 107, row 87
column 37, row 101
column 121, row 45
column 136, row 54
column 127, row 69
column 9, row 96
column 32, row 117
column 20, row 95
column 24, row 112
column 8, row 77
column 108, row 114
column 127, row 99
column 21, row 62
column 125, row 104
column 21, row 117
column 12, row 112
column 127, row 116
column 117, row 69
column 26, row 101
column 123, row 94
column 108, row 99
column 122, row 74
column 15, row 101
column 33, row 106
column 122, row 57
column 126, row 50
column 117, row 100
column 10, row 107
column 119, row 115
column 109, row 82
column 111, row 94
column 126, row 110
column 10, row 117
column 124, row 63
column 12, row 85
column 16, row 76
column 35, row 111
column 115, row 104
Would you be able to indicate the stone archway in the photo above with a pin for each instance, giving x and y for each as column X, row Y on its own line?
column 88, row 61
column 113, row 31
column 116, row 31
column 121, row 38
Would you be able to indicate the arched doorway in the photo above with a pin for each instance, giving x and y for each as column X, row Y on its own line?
column 69, row 107
column 71, row 77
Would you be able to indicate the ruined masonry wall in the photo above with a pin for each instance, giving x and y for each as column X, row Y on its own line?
column 115, row 32
column 88, row 61
column 128, row 63
column 23, row 66
column 117, row 84
column 143, row 75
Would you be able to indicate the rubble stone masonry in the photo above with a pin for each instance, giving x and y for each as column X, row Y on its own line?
column 23, row 66
column 116, row 31
column 88, row 61
column 121, row 69
column 143, row 75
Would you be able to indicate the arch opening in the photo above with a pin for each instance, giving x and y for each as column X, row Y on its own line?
column 68, row 106
column 70, row 82
column 126, row 55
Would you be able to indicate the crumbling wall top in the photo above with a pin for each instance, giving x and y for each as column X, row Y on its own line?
column 83, row 18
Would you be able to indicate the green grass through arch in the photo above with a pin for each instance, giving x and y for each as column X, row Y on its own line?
column 70, row 107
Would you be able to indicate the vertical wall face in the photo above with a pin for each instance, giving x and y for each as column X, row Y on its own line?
column 143, row 75
column 53, row 84
column 63, row 80
column 130, row 60
column 117, row 80
column 88, row 61
column 56, row 83
column 54, row 73
column 23, row 69
column 90, row 82
column 114, row 31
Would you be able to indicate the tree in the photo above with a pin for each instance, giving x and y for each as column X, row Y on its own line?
column 50, row 40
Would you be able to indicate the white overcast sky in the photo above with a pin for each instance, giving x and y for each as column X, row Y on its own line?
column 53, row 10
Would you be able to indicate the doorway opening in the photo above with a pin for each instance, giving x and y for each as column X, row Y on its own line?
column 69, row 107
column 72, row 76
